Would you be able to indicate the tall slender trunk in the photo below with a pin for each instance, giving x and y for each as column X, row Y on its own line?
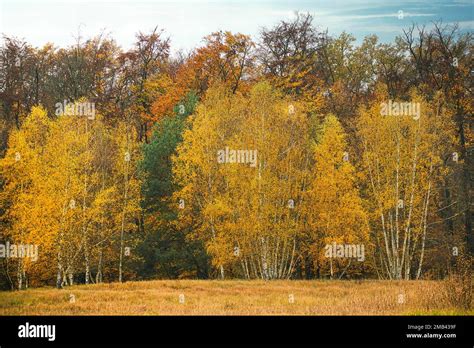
column 425, row 216
column 122, row 231
column 60, row 269
column 84, row 225
column 20, row 274
column 98, row 277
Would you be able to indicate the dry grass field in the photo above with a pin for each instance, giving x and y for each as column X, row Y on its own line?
column 235, row 297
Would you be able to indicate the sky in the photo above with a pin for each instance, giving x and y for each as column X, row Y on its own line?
column 186, row 22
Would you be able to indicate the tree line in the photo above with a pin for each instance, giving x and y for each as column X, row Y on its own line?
column 243, row 158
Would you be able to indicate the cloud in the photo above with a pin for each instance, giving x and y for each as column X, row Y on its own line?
column 386, row 15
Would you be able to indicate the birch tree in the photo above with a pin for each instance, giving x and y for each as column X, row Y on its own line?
column 401, row 161
column 248, row 212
